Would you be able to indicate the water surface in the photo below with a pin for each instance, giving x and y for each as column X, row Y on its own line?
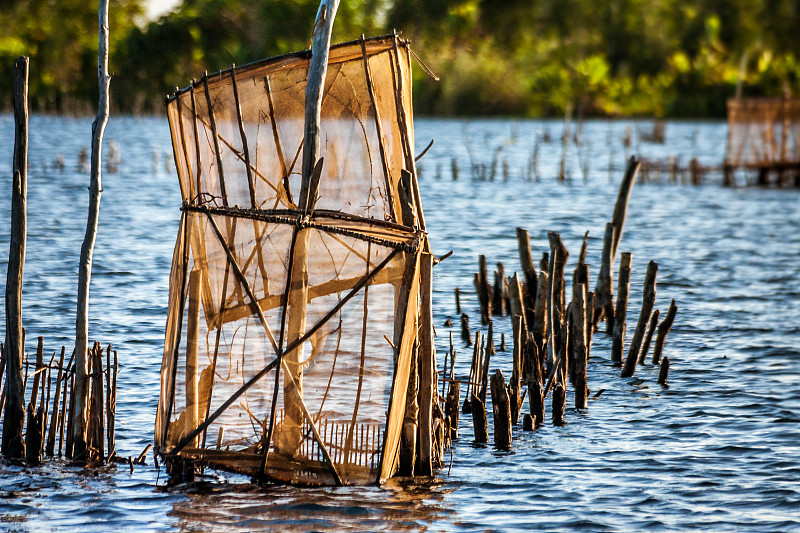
column 718, row 449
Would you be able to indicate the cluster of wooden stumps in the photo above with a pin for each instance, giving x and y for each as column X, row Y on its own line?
column 552, row 338
column 44, row 426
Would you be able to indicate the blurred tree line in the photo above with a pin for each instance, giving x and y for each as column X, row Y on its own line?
column 509, row 57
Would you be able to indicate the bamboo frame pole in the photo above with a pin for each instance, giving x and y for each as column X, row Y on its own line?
column 298, row 294
column 378, row 129
column 217, row 151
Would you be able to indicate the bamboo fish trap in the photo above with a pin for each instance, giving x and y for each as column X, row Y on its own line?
column 292, row 330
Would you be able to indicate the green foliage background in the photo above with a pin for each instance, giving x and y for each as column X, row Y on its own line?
column 509, row 57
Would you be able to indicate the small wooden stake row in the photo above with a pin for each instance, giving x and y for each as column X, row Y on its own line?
column 51, row 405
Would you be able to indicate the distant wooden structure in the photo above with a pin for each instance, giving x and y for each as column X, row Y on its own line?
column 764, row 136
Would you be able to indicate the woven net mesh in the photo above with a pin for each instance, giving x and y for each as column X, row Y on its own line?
column 289, row 338
column 763, row 133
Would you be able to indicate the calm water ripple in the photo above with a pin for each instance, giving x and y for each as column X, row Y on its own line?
column 717, row 450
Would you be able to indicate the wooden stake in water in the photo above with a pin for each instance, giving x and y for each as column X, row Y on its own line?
column 80, row 412
column 501, row 407
column 663, row 330
column 618, row 340
column 13, row 446
column 648, row 300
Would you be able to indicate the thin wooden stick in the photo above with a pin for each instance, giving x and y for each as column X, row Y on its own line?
column 217, row 151
column 379, row 129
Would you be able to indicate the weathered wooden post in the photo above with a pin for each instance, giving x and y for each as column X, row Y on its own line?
column 604, row 297
column 663, row 371
column 556, row 294
column 501, row 408
column 648, row 300
column 13, row 446
column 621, row 206
column 483, row 290
column 531, row 279
column 663, row 329
column 466, row 336
column 35, row 413
column 618, row 340
column 499, row 291
column 81, row 392
column 649, row 337
column 579, row 343
column 535, row 382
column 298, row 294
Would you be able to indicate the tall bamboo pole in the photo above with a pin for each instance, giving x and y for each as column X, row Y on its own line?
column 298, row 291
column 13, row 445
column 87, row 249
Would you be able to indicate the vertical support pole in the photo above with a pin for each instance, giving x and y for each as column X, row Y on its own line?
column 427, row 368
column 298, row 292
column 87, row 249
column 192, row 329
column 13, row 446
column 618, row 340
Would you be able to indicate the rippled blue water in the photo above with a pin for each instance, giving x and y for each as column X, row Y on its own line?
column 716, row 450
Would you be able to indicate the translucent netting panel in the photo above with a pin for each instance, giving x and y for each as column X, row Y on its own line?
column 763, row 132
column 223, row 341
column 271, row 98
column 340, row 379
column 345, row 370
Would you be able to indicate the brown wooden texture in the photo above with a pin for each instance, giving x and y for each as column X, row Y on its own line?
column 13, row 446
column 427, row 368
column 649, row 337
column 618, row 339
column 479, row 422
column 621, row 205
column 526, row 260
column 604, row 302
column 663, row 330
column 501, row 409
column 663, row 372
column 648, row 300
